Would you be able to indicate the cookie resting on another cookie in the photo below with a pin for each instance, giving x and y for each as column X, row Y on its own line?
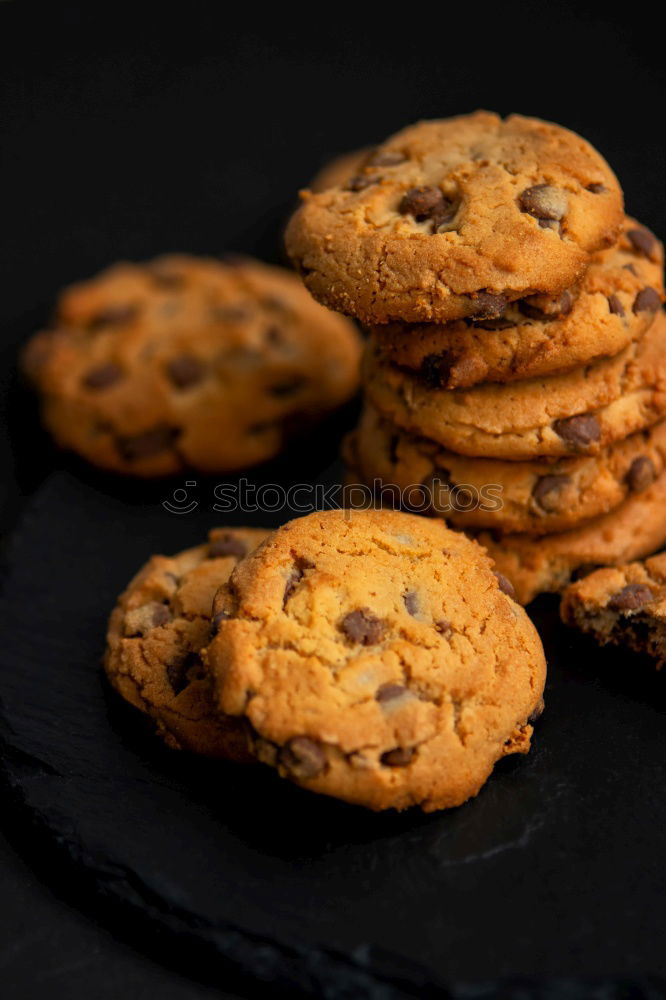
column 455, row 218
column 155, row 637
column 378, row 659
column 577, row 412
column 548, row 564
column 537, row 497
column 189, row 363
column 623, row 605
column 611, row 308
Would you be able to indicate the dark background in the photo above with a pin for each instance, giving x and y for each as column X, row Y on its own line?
column 132, row 130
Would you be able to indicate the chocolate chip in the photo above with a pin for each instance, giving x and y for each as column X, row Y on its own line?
column 647, row 300
column 295, row 577
column 436, row 369
column 536, row 714
column 388, row 692
column 178, row 671
column 443, row 627
column 161, row 615
column 544, row 202
column 641, row 474
column 141, row 620
column 427, row 203
column 642, row 241
column 275, row 302
column 444, row 214
column 303, row 757
column 631, row 268
column 363, row 627
column 274, row 335
column 595, row 188
column 411, row 602
column 505, row 585
column 226, row 545
column 615, row 305
column 580, row 431
column 103, row 376
column 421, row 202
column 633, row 596
column 486, row 305
column 386, row 158
column 548, row 491
column 400, row 757
column 542, row 308
column 492, row 324
column 216, row 621
column 360, row 182
column 185, row 371
column 113, row 316
column 165, row 276
column 147, row 444
column 289, row 387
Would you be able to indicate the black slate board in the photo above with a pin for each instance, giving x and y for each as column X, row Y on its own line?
column 554, row 872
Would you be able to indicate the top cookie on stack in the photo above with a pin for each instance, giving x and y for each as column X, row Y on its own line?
column 456, row 218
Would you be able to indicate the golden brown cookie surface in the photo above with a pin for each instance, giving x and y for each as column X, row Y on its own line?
column 536, row 497
column 157, row 632
column 454, row 218
column 577, row 412
column 377, row 659
column 548, row 564
column 189, row 363
column 541, row 335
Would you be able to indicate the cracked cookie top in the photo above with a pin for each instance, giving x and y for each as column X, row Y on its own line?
column 189, row 363
column 454, row 218
column 378, row 658
column 156, row 634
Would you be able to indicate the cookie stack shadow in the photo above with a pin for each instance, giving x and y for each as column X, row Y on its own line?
column 534, row 421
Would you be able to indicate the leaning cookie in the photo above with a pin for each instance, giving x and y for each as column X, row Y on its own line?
column 612, row 308
column 189, row 363
column 455, row 218
column 535, row 497
column 155, row 637
column 624, row 605
column 548, row 564
column 577, row 412
column 377, row 658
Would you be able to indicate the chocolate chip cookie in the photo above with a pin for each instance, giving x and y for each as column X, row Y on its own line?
column 623, row 605
column 548, row 564
column 536, row 497
column 378, row 659
column 186, row 363
column 155, row 637
column 540, row 335
column 577, row 412
column 454, row 218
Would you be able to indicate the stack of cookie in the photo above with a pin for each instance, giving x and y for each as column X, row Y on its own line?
column 515, row 373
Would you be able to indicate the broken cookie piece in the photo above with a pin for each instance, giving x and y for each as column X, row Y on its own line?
column 622, row 605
